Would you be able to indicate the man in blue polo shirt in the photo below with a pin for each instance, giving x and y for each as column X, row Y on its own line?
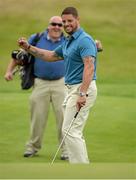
column 48, row 88
column 79, row 53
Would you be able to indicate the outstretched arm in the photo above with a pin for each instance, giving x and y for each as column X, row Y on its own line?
column 37, row 52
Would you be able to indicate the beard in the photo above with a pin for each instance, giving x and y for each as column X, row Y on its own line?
column 70, row 30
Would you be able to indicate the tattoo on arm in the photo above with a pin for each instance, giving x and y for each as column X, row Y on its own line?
column 87, row 73
column 36, row 53
column 89, row 59
column 44, row 54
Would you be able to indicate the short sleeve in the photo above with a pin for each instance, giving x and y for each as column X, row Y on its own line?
column 87, row 47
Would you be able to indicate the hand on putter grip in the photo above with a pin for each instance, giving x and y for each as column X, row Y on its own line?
column 80, row 102
column 22, row 42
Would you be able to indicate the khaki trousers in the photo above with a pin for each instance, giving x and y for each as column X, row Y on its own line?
column 44, row 93
column 75, row 142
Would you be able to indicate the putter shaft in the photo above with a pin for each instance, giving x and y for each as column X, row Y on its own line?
column 64, row 137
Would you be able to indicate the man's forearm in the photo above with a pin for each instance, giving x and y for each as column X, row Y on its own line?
column 42, row 54
column 37, row 52
column 11, row 66
column 87, row 75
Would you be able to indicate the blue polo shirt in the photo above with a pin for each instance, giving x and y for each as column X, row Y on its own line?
column 73, row 50
column 48, row 70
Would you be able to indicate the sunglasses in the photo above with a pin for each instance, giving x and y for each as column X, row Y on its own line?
column 56, row 24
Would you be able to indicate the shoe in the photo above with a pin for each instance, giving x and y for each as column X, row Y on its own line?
column 64, row 157
column 29, row 154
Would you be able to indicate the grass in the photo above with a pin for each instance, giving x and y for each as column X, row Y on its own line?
column 109, row 134
column 113, row 22
column 66, row 171
column 110, row 130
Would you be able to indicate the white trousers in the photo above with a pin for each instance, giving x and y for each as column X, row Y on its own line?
column 75, row 142
column 45, row 93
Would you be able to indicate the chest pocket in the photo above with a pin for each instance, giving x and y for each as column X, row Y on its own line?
column 72, row 52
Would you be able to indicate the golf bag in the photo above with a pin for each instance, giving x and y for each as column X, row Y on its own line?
column 26, row 61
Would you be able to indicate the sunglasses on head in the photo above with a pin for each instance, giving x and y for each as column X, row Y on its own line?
column 56, row 24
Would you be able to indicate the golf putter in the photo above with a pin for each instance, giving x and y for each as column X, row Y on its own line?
column 64, row 137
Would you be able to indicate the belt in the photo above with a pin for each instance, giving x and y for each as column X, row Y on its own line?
column 46, row 79
column 68, row 86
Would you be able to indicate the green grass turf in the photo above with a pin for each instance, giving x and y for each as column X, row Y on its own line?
column 109, row 131
column 66, row 171
column 111, row 21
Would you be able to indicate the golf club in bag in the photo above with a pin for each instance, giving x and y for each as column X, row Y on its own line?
column 64, row 137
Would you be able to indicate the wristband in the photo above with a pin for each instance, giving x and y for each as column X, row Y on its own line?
column 81, row 94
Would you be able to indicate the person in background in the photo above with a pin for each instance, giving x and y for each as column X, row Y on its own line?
column 48, row 88
column 79, row 52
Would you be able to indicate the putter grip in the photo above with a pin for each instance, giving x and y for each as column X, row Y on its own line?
column 76, row 114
